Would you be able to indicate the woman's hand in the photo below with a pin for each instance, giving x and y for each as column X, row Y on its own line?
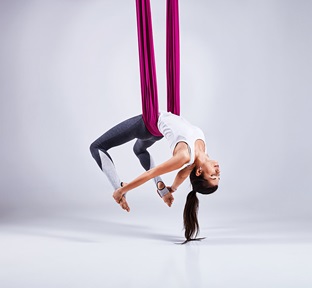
column 168, row 199
column 120, row 197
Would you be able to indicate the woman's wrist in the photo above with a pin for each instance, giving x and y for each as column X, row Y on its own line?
column 173, row 188
column 124, row 189
column 123, row 185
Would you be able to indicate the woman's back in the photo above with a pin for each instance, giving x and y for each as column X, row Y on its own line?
column 176, row 129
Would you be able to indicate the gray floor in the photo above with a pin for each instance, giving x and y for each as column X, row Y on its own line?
column 88, row 249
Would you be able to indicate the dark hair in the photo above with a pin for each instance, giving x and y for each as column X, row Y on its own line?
column 200, row 185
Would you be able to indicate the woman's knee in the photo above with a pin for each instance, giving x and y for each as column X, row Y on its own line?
column 138, row 149
column 94, row 148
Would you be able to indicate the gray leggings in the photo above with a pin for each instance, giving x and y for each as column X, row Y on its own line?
column 120, row 134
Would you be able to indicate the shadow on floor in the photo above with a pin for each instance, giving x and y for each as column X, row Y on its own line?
column 86, row 229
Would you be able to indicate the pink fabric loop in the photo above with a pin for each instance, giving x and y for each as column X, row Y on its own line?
column 147, row 66
column 148, row 78
column 173, row 57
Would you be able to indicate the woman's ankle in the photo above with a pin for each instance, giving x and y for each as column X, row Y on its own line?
column 160, row 185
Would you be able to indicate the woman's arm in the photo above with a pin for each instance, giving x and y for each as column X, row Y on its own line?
column 181, row 176
column 178, row 180
column 175, row 162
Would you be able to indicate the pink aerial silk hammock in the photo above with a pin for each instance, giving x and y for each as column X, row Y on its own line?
column 149, row 95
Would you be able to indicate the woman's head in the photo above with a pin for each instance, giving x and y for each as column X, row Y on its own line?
column 201, row 183
column 205, row 179
column 208, row 171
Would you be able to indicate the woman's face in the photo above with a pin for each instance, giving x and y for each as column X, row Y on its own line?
column 211, row 172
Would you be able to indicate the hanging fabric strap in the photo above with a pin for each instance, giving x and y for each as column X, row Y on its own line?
column 147, row 66
column 149, row 95
column 173, row 57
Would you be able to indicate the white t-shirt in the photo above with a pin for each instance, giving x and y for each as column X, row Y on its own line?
column 176, row 129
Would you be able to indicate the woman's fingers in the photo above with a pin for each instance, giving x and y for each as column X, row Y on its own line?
column 124, row 205
column 120, row 198
column 117, row 195
column 168, row 199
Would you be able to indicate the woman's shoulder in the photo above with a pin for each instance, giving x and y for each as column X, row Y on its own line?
column 182, row 151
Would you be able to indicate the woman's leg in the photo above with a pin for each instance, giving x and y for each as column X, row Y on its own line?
column 146, row 160
column 118, row 135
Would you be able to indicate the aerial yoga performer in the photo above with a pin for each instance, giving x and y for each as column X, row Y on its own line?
column 187, row 142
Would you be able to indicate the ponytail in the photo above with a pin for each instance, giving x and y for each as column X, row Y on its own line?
column 200, row 185
column 191, row 225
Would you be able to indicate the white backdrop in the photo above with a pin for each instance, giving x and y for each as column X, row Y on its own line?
column 69, row 71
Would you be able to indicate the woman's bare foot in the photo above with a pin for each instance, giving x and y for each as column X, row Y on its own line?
column 117, row 195
column 120, row 198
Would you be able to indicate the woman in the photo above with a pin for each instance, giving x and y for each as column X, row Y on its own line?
column 187, row 142
column 188, row 146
